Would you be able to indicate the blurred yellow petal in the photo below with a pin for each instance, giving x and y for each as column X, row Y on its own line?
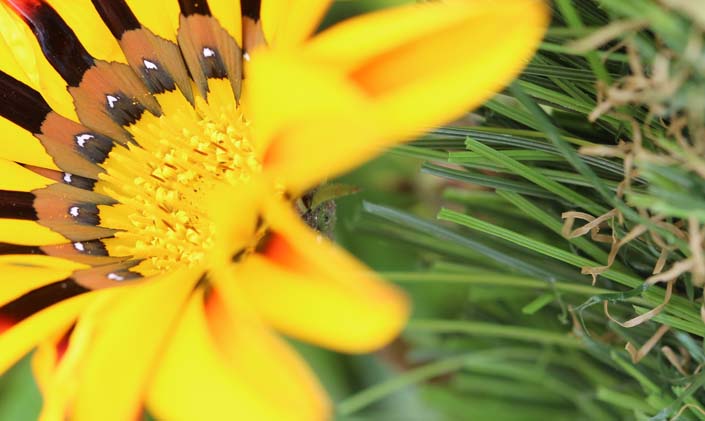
column 32, row 278
column 310, row 289
column 213, row 390
column 394, row 74
column 288, row 23
column 24, row 336
column 126, row 343
column 258, row 357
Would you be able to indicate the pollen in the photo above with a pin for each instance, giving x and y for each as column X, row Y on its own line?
column 162, row 178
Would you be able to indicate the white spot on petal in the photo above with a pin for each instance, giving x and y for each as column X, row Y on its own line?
column 115, row 277
column 74, row 211
column 67, row 177
column 111, row 100
column 79, row 246
column 149, row 65
column 207, row 52
column 246, row 56
column 81, row 139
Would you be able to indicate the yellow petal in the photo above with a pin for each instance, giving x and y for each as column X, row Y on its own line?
column 20, row 231
column 84, row 20
column 227, row 12
column 259, row 357
column 159, row 16
column 16, row 177
column 287, row 23
column 214, row 390
column 19, row 340
column 21, row 146
column 23, row 279
column 308, row 288
column 126, row 342
column 24, row 46
column 398, row 72
column 293, row 105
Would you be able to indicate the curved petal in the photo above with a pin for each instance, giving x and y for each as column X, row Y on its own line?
column 215, row 388
column 24, row 336
column 308, row 288
column 43, row 77
column 258, row 356
column 288, row 23
column 126, row 339
column 398, row 72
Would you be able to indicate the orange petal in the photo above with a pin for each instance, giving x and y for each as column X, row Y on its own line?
column 308, row 288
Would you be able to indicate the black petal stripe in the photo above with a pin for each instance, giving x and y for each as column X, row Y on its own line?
column 17, row 205
column 7, row 248
column 250, row 8
column 58, row 42
column 21, row 104
column 117, row 16
column 37, row 300
column 194, row 7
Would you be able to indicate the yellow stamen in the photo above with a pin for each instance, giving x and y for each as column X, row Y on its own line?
column 162, row 179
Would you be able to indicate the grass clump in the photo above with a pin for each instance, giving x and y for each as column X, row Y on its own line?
column 563, row 275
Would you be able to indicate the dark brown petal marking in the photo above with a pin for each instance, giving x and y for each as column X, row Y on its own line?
column 107, row 275
column 250, row 9
column 194, row 7
column 17, row 205
column 73, row 147
column 157, row 61
column 37, row 300
column 117, row 16
column 252, row 33
column 110, row 97
column 7, row 248
column 21, row 104
column 209, row 52
column 57, row 41
column 91, row 253
column 71, row 212
column 64, row 177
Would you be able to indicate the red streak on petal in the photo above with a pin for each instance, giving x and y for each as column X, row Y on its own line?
column 280, row 252
column 217, row 319
column 5, row 324
column 63, row 345
column 26, row 8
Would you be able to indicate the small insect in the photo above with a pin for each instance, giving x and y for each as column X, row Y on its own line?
column 318, row 208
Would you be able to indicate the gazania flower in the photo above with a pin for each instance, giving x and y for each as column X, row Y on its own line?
column 151, row 153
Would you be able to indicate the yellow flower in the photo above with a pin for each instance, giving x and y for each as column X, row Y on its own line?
column 151, row 154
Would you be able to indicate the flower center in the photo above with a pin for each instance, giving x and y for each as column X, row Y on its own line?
column 162, row 179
